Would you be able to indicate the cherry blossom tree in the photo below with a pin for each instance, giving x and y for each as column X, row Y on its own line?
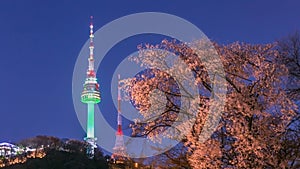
column 289, row 48
column 256, row 114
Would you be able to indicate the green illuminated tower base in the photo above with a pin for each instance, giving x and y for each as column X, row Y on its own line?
column 90, row 139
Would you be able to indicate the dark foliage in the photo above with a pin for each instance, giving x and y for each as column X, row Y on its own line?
column 62, row 160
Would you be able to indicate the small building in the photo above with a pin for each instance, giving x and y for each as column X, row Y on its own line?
column 8, row 150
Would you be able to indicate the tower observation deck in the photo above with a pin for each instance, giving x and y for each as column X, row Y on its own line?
column 90, row 96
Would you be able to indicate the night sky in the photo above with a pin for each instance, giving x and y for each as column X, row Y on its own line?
column 41, row 40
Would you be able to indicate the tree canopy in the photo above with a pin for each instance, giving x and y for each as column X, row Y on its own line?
column 253, row 127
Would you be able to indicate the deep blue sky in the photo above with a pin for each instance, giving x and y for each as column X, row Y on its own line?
column 40, row 41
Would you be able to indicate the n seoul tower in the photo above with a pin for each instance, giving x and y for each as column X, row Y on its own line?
column 90, row 96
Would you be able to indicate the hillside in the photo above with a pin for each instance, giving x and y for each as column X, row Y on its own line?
column 62, row 160
column 56, row 154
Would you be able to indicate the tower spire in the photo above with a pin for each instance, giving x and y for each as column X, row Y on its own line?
column 120, row 132
column 91, row 71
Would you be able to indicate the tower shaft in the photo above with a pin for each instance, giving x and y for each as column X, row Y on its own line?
column 90, row 121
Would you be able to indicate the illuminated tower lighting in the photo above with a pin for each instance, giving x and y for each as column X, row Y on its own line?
column 119, row 151
column 90, row 96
